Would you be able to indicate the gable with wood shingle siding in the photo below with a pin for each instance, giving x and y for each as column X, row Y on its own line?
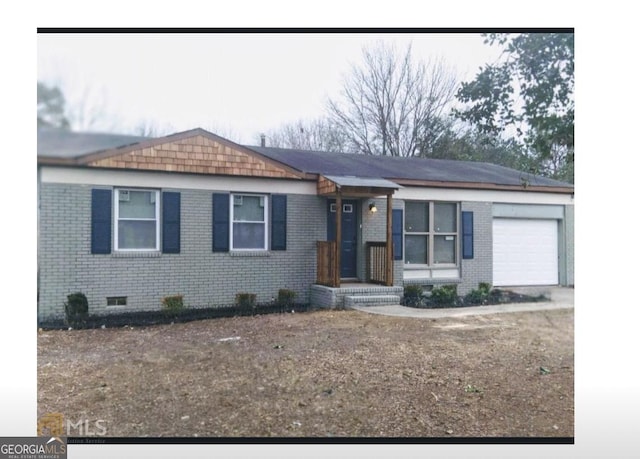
column 197, row 154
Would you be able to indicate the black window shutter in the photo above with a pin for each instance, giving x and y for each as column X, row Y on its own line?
column 278, row 222
column 467, row 235
column 101, row 221
column 396, row 232
column 170, row 222
column 220, row 222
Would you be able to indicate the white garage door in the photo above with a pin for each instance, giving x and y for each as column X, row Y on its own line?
column 525, row 252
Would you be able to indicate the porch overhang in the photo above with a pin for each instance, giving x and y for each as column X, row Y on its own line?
column 329, row 252
column 355, row 187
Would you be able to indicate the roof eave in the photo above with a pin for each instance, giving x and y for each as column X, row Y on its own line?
column 56, row 161
column 483, row 186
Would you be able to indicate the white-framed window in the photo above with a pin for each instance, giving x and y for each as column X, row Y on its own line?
column 116, row 301
column 431, row 233
column 346, row 208
column 137, row 218
column 249, row 221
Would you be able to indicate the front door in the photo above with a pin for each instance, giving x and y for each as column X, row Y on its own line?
column 349, row 249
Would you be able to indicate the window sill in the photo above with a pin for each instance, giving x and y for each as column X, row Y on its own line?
column 410, row 267
column 149, row 254
column 433, row 280
column 249, row 253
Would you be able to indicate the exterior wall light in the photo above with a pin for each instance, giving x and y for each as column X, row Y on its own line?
column 372, row 207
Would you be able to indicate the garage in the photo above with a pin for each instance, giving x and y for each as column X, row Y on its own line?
column 525, row 251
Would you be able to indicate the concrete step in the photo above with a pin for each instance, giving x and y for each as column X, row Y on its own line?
column 370, row 300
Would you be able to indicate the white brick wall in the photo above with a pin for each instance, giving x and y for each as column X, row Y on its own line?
column 480, row 268
column 205, row 278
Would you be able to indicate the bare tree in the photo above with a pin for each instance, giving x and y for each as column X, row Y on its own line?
column 151, row 128
column 318, row 134
column 87, row 109
column 391, row 105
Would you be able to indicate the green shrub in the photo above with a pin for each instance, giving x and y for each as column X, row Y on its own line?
column 475, row 297
column 172, row 304
column 286, row 297
column 76, row 307
column 413, row 295
column 246, row 300
column 481, row 295
column 447, row 295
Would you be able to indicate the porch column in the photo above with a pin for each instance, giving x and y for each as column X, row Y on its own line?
column 389, row 251
column 338, row 238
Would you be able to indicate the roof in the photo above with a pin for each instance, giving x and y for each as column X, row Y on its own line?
column 60, row 143
column 398, row 169
column 58, row 146
column 362, row 182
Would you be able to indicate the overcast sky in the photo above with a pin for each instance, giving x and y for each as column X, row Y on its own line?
column 236, row 84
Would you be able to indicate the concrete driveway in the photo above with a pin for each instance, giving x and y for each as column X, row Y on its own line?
column 560, row 298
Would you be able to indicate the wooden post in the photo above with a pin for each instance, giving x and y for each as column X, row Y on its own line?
column 389, row 254
column 338, row 238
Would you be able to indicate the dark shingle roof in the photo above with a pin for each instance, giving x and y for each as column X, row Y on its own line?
column 59, row 143
column 438, row 170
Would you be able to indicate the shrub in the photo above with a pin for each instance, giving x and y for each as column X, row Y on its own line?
column 246, row 300
column 497, row 296
column 413, row 295
column 447, row 295
column 76, row 307
column 172, row 304
column 475, row 297
column 481, row 295
column 286, row 297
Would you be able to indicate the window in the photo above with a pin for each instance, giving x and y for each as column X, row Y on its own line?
column 430, row 233
column 137, row 223
column 249, row 222
column 346, row 208
column 416, row 227
column 116, row 301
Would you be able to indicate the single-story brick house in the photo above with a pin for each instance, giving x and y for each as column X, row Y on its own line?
column 128, row 220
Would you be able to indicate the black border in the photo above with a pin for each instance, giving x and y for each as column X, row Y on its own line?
column 404, row 30
column 323, row 440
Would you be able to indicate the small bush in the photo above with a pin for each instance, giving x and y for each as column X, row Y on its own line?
column 285, row 297
column 413, row 295
column 497, row 296
column 77, row 307
column 246, row 300
column 447, row 295
column 475, row 297
column 172, row 304
column 481, row 295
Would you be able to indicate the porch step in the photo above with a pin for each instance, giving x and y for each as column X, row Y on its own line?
column 370, row 300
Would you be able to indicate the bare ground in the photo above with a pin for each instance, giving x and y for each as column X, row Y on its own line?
column 318, row 374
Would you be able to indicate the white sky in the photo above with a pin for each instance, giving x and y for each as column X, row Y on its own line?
column 236, row 84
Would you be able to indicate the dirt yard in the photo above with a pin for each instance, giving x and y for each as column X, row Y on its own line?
column 318, row 374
